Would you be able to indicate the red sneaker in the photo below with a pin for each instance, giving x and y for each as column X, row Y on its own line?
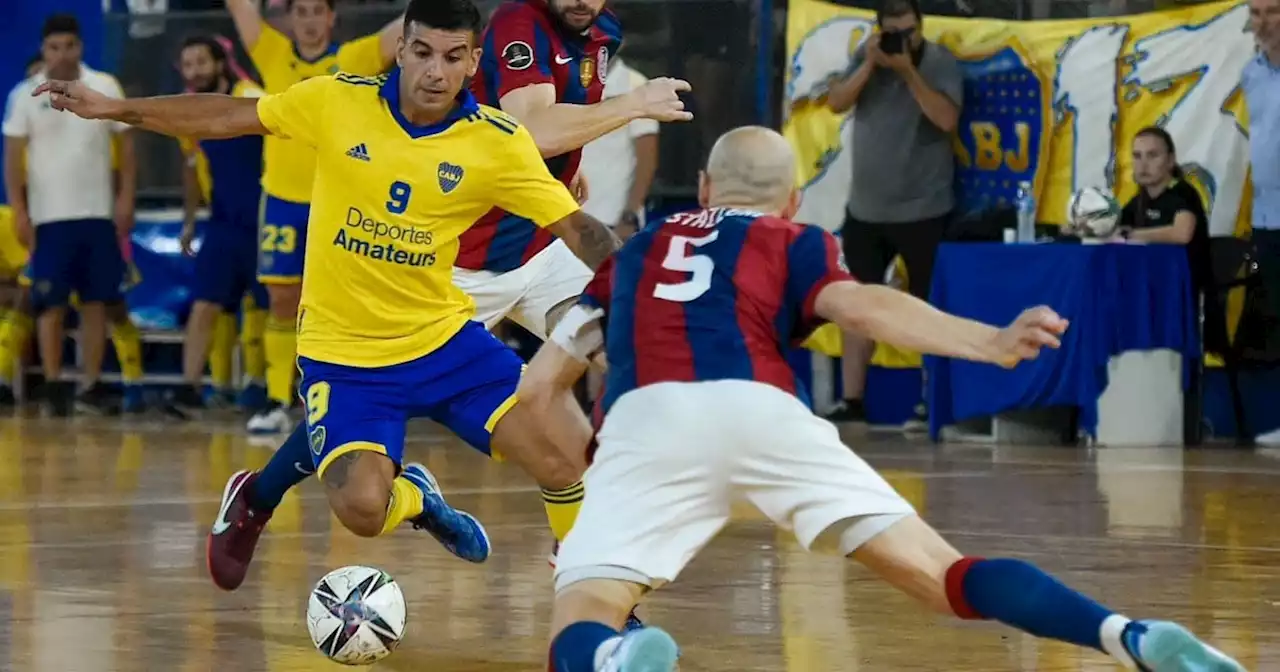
column 235, row 533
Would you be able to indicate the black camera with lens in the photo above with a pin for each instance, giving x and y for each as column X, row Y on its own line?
column 893, row 42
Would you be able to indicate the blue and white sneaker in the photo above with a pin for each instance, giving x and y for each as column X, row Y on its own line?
column 458, row 531
column 643, row 650
column 1162, row 646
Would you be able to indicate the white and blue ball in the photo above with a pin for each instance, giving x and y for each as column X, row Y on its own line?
column 356, row 615
column 1093, row 212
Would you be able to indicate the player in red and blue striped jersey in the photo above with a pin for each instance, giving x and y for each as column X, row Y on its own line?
column 701, row 410
column 710, row 295
column 544, row 62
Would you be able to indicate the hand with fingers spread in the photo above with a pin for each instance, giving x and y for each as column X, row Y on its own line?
column 659, row 99
column 78, row 99
column 1035, row 328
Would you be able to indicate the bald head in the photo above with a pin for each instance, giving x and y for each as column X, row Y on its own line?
column 750, row 167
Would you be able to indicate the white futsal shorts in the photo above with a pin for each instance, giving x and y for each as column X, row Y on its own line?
column 527, row 293
column 672, row 459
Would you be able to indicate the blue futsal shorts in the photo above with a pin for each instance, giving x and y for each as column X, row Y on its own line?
column 467, row 385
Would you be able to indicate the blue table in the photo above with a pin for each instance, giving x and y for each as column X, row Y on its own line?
column 1117, row 297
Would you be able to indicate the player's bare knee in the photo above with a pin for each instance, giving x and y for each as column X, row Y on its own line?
column 520, row 439
column 605, row 601
column 117, row 312
column 358, row 486
column 911, row 556
column 284, row 301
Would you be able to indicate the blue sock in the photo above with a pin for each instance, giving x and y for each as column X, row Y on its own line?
column 281, row 474
column 1020, row 595
column 574, row 649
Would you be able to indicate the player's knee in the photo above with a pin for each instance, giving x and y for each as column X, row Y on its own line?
column 911, row 556
column 523, row 443
column 203, row 315
column 117, row 312
column 284, row 300
column 358, row 485
column 605, row 601
column 362, row 509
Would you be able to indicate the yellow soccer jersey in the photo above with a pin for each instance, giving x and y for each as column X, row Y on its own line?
column 290, row 165
column 389, row 203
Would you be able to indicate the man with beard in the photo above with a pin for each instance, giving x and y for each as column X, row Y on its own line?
column 290, row 169
column 544, row 62
column 226, row 265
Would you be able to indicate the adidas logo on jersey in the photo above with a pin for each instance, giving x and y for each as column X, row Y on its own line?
column 359, row 152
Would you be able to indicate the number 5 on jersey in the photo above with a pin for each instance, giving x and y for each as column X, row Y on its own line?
column 680, row 258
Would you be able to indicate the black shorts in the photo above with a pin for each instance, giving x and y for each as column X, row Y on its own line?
column 869, row 248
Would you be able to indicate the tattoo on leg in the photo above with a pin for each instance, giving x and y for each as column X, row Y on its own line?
column 339, row 471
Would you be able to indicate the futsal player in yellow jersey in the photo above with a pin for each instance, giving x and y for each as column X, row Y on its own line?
column 290, row 168
column 405, row 164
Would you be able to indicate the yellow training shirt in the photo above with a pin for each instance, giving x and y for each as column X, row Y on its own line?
column 389, row 203
column 290, row 165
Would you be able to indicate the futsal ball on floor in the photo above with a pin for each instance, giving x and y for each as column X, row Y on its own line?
column 1094, row 212
column 356, row 615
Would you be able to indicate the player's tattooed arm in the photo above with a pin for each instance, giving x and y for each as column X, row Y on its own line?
column 588, row 238
column 199, row 115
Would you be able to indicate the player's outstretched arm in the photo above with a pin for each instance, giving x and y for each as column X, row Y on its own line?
column 892, row 316
column 587, row 237
column 558, row 128
column 192, row 115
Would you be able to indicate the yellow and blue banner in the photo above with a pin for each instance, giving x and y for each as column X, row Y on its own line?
column 1056, row 103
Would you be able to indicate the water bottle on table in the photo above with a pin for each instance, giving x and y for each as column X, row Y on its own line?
column 1026, row 213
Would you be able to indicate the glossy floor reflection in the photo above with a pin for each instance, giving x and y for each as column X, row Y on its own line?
column 102, row 569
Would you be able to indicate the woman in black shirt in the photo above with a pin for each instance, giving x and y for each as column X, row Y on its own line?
column 1166, row 208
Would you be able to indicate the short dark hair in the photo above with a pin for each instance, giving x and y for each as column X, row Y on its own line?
column 892, row 8
column 60, row 24
column 444, row 15
column 1167, row 139
column 208, row 42
column 289, row 4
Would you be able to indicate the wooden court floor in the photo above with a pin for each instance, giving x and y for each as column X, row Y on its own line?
column 102, row 528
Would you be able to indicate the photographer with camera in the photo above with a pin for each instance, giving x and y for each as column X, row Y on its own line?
column 906, row 94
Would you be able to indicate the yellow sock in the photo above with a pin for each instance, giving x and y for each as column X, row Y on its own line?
column 562, row 508
column 252, row 353
column 15, row 330
column 221, row 350
column 406, row 503
column 280, row 342
column 128, row 341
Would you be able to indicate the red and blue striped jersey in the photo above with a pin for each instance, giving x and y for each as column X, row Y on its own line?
column 525, row 45
column 715, row 294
